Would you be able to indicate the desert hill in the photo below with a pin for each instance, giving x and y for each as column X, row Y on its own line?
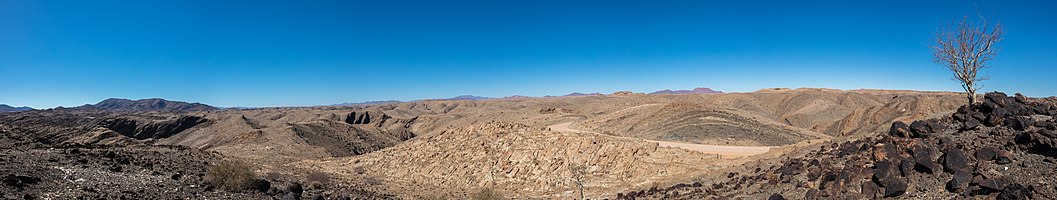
column 154, row 104
column 7, row 108
column 505, row 144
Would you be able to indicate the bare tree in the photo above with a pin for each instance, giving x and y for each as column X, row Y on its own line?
column 579, row 176
column 964, row 48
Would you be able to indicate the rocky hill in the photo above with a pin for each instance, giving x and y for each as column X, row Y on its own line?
column 154, row 104
column 7, row 108
column 517, row 160
column 694, row 91
column 1001, row 149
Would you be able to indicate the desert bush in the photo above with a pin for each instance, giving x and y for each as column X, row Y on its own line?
column 486, row 194
column 317, row 179
column 232, row 176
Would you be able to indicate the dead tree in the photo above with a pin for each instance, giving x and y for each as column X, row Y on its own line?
column 964, row 48
column 579, row 176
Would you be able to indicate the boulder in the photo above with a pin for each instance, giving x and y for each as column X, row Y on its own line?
column 923, row 158
column 986, row 153
column 994, row 183
column 899, row 129
column 959, row 181
column 894, row 186
column 776, row 196
column 919, row 128
column 970, row 124
column 1020, row 98
column 1016, row 191
column 955, row 160
column 1018, row 123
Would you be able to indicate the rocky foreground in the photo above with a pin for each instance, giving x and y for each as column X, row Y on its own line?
column 1003, row 148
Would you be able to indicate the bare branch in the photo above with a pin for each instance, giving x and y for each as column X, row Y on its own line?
column 965, row 47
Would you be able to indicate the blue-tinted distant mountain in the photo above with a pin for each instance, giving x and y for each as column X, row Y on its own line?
column 154, row 104
column 577, row 94
column 694, row 91
column 367, row 103
column 7, row 108
column 468, row 97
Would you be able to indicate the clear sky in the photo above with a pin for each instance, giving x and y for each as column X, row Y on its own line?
column 294, row 53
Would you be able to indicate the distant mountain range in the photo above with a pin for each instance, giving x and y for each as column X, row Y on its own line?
column 154, row 104
column 577, row 94
column 468, row 97
column 7, row 108
column 367, row 103
column 694, row 91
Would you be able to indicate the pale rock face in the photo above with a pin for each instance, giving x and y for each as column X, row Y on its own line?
column 529, row 162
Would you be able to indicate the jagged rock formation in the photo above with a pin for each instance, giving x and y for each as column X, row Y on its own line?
column 1009, row 157
column 154, row 104
column 7, row 108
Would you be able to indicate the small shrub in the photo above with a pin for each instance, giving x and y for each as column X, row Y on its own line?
column 232, row 176
column 486, row 194
column 318, row 177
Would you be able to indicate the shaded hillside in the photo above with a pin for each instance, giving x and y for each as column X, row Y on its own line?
column 7, row 108
column 696, row 123
column 154, row 104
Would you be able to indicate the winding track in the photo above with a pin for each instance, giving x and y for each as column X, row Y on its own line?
column 725, row 151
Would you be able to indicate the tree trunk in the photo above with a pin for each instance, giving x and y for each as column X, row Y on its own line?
column 972, row 95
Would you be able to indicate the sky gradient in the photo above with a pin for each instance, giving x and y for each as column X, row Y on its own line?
column 302, row 53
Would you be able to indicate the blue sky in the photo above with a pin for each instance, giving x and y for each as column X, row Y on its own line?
column 294, row 53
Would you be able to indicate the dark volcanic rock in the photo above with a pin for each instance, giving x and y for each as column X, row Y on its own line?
column 1016, row 191
column 959, row 181
column 955, row 160
column 919, row 128
column 899, row 129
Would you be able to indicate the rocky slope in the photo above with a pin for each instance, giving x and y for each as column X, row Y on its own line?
column 1000, row 149
column 518, row 160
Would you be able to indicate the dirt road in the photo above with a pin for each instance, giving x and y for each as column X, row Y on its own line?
column 725, row 151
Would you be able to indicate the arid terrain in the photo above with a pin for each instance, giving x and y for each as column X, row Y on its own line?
column 792, row 143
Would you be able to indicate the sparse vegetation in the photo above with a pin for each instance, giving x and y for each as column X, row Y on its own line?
column 232, row 176
column 486, row 194
column 964, row 48
column 318, row 179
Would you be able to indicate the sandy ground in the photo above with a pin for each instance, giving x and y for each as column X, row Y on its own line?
column 724, row 151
